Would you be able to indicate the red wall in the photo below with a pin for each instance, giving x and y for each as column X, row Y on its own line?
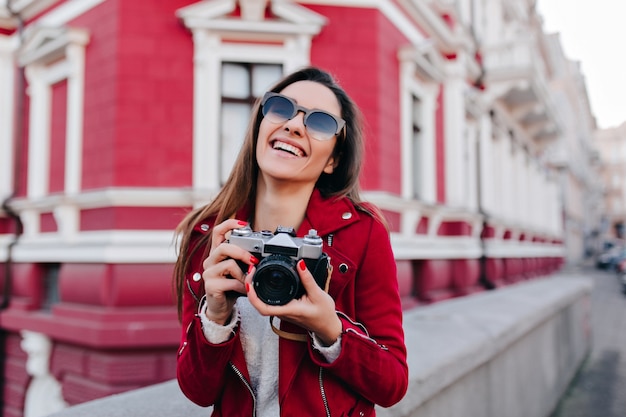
column 138, row 96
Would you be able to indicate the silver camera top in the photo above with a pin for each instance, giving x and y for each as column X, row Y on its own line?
column 282, row 242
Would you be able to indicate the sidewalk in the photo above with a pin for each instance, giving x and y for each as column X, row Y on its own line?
column 599, row 389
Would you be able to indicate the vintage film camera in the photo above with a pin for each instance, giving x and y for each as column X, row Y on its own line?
column 276, row 280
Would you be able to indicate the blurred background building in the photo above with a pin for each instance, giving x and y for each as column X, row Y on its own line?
column 611, row 144
column 117, row 117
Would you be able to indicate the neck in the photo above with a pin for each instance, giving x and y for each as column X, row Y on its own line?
column 280, row 205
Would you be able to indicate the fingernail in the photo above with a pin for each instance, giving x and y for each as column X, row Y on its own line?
column 247, row 287
column 254, row 260
column 301, row 265
column 250, row 269
column 242, row 223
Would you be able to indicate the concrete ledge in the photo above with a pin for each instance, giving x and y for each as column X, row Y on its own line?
column 505, row 353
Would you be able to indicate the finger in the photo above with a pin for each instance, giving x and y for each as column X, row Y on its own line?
column 228, row 251
column 262, row 308
column 306, row 278
column 228, row 268
column 221, row 231
column 218, row 287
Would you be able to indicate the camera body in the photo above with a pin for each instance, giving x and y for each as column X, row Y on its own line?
column 276, row 280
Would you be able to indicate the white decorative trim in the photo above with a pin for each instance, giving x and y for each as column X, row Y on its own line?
column 252, row 9
column 111, row 197
column 111, row 246
column 50, row 56
column 7, row 111
column 5, row 241
column 44, row 394
column 67, row 12
column 426, row 91
column 27, row 9
column 66, row 207
column 455, row 143
column 388, row 8
column 435, row 247
column 39, row 133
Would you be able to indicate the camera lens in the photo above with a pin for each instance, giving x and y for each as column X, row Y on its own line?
column 275, row 281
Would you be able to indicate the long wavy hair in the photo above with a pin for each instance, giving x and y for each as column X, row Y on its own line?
column 240, row 187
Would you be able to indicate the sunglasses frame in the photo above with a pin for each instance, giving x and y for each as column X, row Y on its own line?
column 307, row 112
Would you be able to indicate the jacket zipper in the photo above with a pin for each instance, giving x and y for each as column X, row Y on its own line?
column 245, row 382
column 323, row 392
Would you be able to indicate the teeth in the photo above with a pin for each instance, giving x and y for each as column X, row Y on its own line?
column 287, row 148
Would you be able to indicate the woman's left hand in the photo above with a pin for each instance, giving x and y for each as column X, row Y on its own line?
column 314, row 311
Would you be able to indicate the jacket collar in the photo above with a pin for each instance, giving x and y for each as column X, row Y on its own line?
column 327, row 215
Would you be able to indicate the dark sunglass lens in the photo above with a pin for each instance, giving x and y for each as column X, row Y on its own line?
column 321, row 125
column 278, row 109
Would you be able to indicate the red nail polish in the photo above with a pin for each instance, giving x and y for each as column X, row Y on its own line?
column 250, row 269
column 247, row 287
column 301, row 265
column 254, row 260
column 242, row 223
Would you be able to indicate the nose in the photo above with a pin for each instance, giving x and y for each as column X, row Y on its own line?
column 295, row 125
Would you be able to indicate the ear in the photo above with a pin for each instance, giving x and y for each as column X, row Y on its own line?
column 331, row 164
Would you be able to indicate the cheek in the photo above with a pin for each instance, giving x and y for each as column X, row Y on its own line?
column 325, row 150
column 264, row 133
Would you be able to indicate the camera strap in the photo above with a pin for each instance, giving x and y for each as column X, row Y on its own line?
column 300, row 337
column 296, row 337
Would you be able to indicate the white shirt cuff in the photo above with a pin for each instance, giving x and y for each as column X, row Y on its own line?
column 216, row 333
column 330, row 353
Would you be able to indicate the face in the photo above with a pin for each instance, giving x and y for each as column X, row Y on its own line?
column 285, row 150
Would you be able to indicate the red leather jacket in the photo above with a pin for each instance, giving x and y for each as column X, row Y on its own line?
column 371, row 368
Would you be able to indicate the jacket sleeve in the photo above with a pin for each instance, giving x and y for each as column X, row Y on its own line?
column 373, row 352
column 201, row 366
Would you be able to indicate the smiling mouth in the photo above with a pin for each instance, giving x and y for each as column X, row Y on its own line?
column 282, row 146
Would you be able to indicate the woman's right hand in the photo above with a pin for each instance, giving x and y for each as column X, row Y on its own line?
column 222, row 273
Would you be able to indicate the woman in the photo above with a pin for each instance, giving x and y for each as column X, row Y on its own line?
column 338, row 350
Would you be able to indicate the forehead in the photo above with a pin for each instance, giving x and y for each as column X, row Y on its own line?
column 313, row 95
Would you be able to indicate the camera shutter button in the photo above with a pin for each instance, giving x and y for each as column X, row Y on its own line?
column 313, row 238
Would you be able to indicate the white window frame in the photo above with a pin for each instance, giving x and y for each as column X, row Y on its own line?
column 425, row 87
column 52, row 55
column 288, row 43
column 7, row 112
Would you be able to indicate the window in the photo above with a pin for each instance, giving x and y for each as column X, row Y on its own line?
column 416, row 142
column 419, row 88
column 51, row 285
column 236, row 57
column 242, row 84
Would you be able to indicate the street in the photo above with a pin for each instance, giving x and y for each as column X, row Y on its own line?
column 599, row 389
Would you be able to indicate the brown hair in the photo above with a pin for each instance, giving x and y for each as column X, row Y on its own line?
column 240, row 187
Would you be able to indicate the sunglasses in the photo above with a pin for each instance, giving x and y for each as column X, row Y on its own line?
column 319, row 124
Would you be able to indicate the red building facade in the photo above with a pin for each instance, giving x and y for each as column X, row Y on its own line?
column 126, row 114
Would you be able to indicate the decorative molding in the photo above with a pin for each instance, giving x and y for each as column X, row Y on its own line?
column 26, row 9
column 44, row 394
column 50, row 55
column 111, row 197
column 44, row 45
column 411, row 85
column 7, row 110
column 388, row 8
column 253, row 10
column 111, row 246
